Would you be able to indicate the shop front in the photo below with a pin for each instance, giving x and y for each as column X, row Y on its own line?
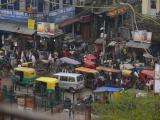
column 49, row 37
column 16, row 37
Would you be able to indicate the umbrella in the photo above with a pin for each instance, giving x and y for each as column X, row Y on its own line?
column 149, row 73
column 90, row 57
column 89, row 63
column 69, row 61
column 108, row 89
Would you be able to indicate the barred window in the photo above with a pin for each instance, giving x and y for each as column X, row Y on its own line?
column 153, row 4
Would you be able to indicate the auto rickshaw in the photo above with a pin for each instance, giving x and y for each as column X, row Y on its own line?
column 90, row 75
column 107, row 72
column 45, row 85
column 25, row 75
column 48, row 88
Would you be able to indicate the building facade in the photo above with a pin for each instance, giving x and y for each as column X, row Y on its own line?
column 151, row 7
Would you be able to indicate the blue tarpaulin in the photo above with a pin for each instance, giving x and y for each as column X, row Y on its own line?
column 108, row 89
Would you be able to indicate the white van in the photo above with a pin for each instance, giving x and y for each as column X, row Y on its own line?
column 70, row 81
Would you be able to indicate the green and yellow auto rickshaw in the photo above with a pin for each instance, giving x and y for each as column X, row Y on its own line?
column 25, row 75
column 45, row 85
column 48, row 88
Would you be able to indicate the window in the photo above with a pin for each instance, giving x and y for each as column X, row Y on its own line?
column 79, row 78
column 153, row 4
column 16, row 5
column 3, row 4
column 10, row 4
column 40, row 6
column 71, row 79
column 65, row 2
column 54, row 4
column 63, row 78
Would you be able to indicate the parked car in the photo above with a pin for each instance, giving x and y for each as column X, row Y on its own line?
column 70, row 81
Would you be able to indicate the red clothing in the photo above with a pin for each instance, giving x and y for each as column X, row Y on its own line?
column 65, row 54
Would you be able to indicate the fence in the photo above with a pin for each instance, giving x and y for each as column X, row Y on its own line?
column 8, row 112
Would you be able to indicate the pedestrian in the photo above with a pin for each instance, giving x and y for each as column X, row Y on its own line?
column 33, row 60
column 70, row 112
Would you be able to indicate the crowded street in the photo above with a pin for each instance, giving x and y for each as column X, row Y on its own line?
column 79, row 60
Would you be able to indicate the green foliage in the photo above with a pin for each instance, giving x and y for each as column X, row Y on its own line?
column 129, row 107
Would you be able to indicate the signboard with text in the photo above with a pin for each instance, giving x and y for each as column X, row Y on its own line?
column 55, row 16
column 17, row 16
column 31, row 24
column 46, row 28
column 142, row 36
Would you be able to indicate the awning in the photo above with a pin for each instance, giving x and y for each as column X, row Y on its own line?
column 50, row 36
column 68, row 22
column 12, row 27
column 134, row 44
column 107, row 69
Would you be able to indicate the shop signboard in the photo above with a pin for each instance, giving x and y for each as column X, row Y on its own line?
column 46, row 28
column 157, row 79
column 142, row 36
column 22, row 4
column 60, row 15
column 31, row 24
column 12, row 16
column 17, row 16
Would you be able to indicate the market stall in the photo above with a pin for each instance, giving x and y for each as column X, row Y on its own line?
column 103, row 94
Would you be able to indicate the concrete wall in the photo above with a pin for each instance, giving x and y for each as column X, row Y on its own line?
column 146, row 10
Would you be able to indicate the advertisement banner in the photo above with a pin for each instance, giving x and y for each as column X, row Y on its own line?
column 157, row 79
column 31, row 24
column 46, row 28
column 142, row 36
